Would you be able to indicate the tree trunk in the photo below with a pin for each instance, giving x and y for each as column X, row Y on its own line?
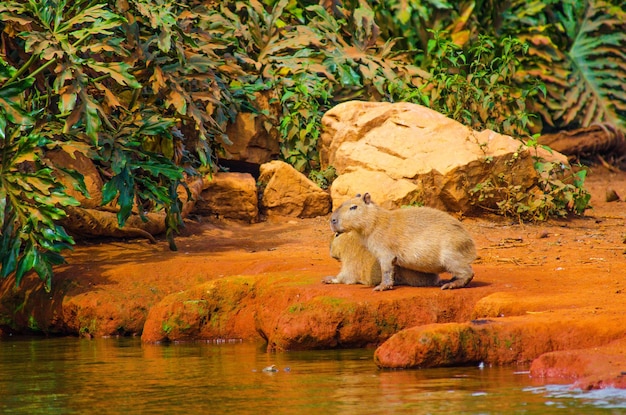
column 600, row 141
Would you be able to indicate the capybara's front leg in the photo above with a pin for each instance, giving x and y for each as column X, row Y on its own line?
column 387, row 280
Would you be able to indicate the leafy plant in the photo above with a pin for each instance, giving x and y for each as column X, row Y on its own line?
column 477, row 85
column 323, row 178
column 559, row 191
column 577, row 50
column 311, row 57
column 135, row 88
column 413, row 22
column 31, row 200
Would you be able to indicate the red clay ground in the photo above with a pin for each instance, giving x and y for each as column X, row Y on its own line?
column 552, row 294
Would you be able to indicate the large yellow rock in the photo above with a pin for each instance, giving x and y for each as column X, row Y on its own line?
column 405, row 153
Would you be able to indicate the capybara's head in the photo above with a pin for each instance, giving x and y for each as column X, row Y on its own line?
column 353, row 214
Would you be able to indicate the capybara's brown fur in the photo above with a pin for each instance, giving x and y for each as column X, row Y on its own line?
column 359, row 266
column 418, row 238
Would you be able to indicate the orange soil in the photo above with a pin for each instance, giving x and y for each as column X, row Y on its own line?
column 556, row 289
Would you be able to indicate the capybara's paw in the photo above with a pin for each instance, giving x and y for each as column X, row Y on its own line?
column 329, row 280
column 455, row 283
column 383, row 287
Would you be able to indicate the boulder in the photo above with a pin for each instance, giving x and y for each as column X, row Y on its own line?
column 254, row 139
column 90, row 219
column 500, row 341
column 405, row 153
column 287, row 192
column 593, row 368
column 229, row 195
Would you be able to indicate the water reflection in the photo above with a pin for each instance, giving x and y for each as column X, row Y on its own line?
column 68, row 376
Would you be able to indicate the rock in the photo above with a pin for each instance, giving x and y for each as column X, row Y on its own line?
column 293, row 313
column 612, row 196
column 79, row 162
column 287, row 192
column 512, row 340
column 405, row 153
column 229, row 195
column 84, row 222
column 596, row 368
column 208, row 311
column 254, row 139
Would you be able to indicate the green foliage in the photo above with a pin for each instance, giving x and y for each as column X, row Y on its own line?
column 477, row 85
column 573, row 46
column 135, row 88
column 412, row 22
column 30, row 198
column 310, row 58
column 323, row 178
column 303, row 99
column 577, row 49
column 559, row 192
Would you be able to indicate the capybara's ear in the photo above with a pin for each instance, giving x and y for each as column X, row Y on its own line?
column 367, row 198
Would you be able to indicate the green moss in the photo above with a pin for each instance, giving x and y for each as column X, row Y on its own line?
column 387, row 325
column 87, row 326
column 166, row 327
column 32, row 323
column 332, row 301
column 197, row 306
column 296, row 308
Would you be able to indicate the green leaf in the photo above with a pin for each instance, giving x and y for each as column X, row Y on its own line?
column 78, row 181
column 3, row 204
column 26, row 262
column 168, row 170
column 11, row 247
column 156, row 126
column 121, row 184
column 117, row 70
column 91, row 118
column 14, row 89
column 590, row 71
column 14, row 113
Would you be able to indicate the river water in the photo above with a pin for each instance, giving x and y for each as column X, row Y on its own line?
column 124, row 376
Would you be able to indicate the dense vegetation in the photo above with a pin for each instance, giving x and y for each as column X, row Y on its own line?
column 146, row 89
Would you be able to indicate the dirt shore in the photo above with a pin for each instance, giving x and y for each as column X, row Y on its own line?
column 549, row 295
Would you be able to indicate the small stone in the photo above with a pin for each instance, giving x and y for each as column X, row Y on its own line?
column 612, row 196
column 271, row 368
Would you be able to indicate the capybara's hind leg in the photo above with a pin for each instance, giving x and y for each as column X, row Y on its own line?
column 459, row 279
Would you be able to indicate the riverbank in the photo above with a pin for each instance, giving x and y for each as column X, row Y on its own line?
column 550, row 294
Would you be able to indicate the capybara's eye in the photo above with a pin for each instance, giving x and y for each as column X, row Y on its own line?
column 353, row 207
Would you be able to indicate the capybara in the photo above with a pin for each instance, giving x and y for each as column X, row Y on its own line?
column 419, row 238
column 359, row 266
